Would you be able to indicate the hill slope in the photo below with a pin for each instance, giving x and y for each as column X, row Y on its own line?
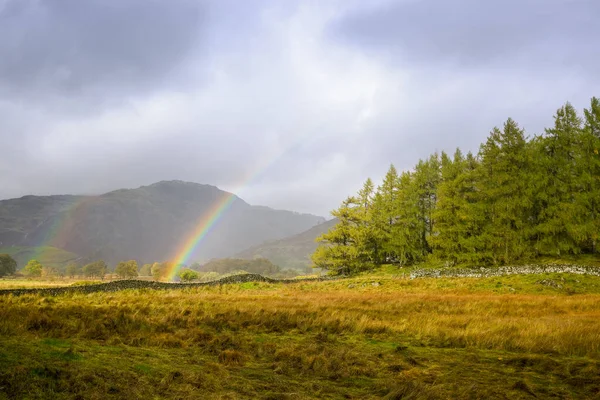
column 48, row 256
column 291, row 252
column 150, row 223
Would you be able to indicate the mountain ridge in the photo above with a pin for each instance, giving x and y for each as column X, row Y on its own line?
column 148, row 223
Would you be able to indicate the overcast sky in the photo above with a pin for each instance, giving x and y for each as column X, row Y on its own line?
column 291, row 104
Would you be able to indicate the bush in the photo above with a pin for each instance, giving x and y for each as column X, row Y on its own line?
column 188, row 275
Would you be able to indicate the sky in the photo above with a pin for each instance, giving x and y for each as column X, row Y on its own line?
column 289, row 104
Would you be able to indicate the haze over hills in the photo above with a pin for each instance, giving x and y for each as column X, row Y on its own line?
column 290, row 252
column 150, row 223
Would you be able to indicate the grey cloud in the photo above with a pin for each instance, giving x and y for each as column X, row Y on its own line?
column 289, row 104
column 538, row 34
column 94, row 48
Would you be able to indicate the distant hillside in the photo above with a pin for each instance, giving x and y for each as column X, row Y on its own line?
column 291, row 252
column 48, row 256
column 148, row 224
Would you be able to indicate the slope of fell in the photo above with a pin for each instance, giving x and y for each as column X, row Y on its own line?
column 290, row 252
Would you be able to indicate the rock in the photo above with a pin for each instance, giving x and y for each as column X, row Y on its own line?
column 375, row 284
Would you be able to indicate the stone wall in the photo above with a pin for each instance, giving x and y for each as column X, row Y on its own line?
column 115, row 286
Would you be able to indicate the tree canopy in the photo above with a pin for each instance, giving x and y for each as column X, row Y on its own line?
column 96, row 269
column 8, row 265
column 127, row 269
column 518, row 198
column 33, row 268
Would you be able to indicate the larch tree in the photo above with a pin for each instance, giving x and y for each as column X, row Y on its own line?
column 560, row 216
column 505, row 194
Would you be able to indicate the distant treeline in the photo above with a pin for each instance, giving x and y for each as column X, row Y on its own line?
column 260, row 266
column 213, row 269
column 518, row 198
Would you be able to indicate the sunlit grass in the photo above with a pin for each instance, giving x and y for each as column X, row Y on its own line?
column 367, row 337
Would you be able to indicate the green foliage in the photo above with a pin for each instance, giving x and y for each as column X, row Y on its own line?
column 560, row 216
column 188, row 275
column 127, row 269
column 95, row 269
column 46, row 255
column 353, row 244
column 8, row 265
column 518, row 199
column 506, row 196
column 160, row 271
column 72, row 269
column 227, row 265
column 33, row 268
column 146, row 270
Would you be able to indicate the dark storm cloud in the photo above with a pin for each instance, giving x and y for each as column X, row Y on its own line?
column 93, row 48
column 537, row 34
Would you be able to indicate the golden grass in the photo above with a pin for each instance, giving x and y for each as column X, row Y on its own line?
column 402, row 339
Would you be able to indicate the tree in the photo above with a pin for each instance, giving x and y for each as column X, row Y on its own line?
column 505, row 193
column 226, row 265
column 127, row 269
column 8, row 265
column 425, row 181
column 146, row 270
column 384, row 215
column 49, row 272
column 451, row 210
column 589, row 195
column 72, row 269
column 158, row 271
column 188, row 275
column 95, row 269
column 407, row 230
column 33, row 268
column 560, row 217
column 350, row 246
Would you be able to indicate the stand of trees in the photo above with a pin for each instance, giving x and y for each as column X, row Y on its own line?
column 127, row 269
column 96, row 269
column 227, row 265
column 8, row 265
column 515, row 200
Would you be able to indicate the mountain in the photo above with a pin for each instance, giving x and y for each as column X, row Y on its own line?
column 150, row 223
column 291, row 252
column 46, row 255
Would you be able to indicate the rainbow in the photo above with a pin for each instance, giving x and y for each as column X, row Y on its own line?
column 206, row 223
column 214, row 214
column 56, row 234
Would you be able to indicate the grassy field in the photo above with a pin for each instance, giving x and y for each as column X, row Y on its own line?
column 378, row 336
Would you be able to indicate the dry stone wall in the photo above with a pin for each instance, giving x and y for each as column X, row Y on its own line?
column 115, row 286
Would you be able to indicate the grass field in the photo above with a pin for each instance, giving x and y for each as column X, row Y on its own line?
column 378, row 336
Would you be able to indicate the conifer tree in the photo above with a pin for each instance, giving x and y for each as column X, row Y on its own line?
column 425, row 182
column 384, row 215
column 349, row 247
column 560, row 216
column 589, row 196
column 446, row 239
column 405, row 237
column 515, row 200
column 505, row 194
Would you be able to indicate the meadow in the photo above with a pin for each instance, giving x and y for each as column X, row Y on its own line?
column 374, row 336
